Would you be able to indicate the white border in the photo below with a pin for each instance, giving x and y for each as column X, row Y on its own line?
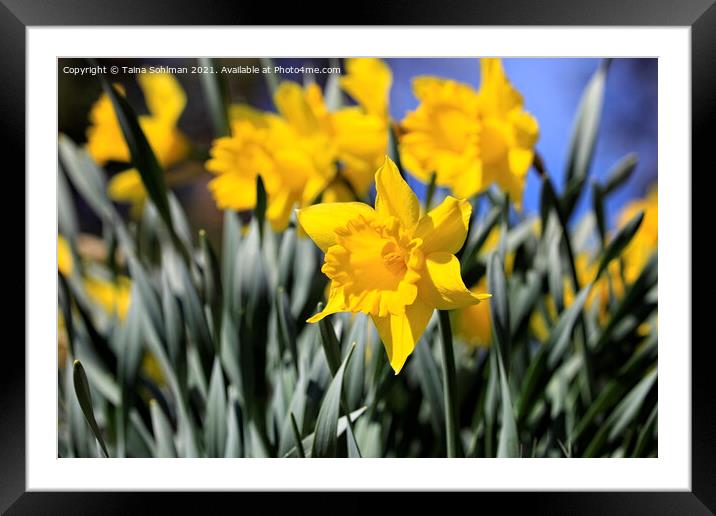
column 672, row 470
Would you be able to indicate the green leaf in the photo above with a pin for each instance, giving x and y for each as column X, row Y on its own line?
column 163, row 433
column 632, row 301
column 142, row 155
column 287, row 253
column 340, row 430
column 598, row 206
column 560, row 336
column 355, row 375
column 499, row 304
column 393, row 150
column 620, row 241
column 286, row 326
column 586, row 126
column 86, row 176
column 642, row 360
column 555, row 277
column 429, row 377
column 211, row 282
column 329, row 341
column 174, row 328
column 351, row 443
column 452, row 418
column 430, row 191
column 66, row 215
column 261, row 204
column 234, row 446
column 622, row 416
column 325, row 442
column 332, row 92
column 508, row 441
column 82, row 391
column 297, row 436
column 477, row 240
column 620, row 173
column 646, row 433
column 216, row 95
column 215, row 431
column 272, row 79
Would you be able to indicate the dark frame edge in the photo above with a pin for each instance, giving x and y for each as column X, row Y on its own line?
column 12, row 381
column 702, row 499
column 703, row 129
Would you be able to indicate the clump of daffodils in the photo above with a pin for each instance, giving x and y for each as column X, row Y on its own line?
column 304, row 151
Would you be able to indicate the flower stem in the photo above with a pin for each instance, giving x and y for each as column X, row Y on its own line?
column 430, row 191
column 449, row 384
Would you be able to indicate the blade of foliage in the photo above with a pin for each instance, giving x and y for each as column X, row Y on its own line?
column 620, row 173
column 329, row 341
column 297, row 437
column 143, row 158
column 620, row 241
column 508, row 441
column 429, row 378
column 325, row 442
column 86, row 177
column 586, row 125
column 84, row 397
column 340, row 430
column 216, row 98
column 215, row 424
column 163, row 433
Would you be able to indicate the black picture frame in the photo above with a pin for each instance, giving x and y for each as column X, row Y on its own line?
column 700, row 15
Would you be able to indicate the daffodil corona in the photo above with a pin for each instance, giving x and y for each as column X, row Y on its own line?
column 391, row 263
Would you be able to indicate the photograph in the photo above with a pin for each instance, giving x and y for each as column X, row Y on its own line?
column 357, row 257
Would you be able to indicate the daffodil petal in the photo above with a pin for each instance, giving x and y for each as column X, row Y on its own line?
column 394, row 196
column 400, row 333
column 444, row 228
column 336, row 303
column 164, row 95
column 234, row 191
column 442, row 287
column 368, row 81
column 320, row 221
column 126, row 186
column 279, row 209
column 64, row 256
column 291, row 103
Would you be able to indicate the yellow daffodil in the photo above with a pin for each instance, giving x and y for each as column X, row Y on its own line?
column 65, row 263
column 165, row 101
column 294, row 171
column 470, row 139
column 391, row 263
column 368, row 81
column 646, row 239
column 112, row 297
column 301, row 153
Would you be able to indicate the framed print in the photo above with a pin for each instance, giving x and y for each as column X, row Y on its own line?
column 426, row 255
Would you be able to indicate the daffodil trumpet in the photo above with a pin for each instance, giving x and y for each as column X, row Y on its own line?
column 389, row 262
